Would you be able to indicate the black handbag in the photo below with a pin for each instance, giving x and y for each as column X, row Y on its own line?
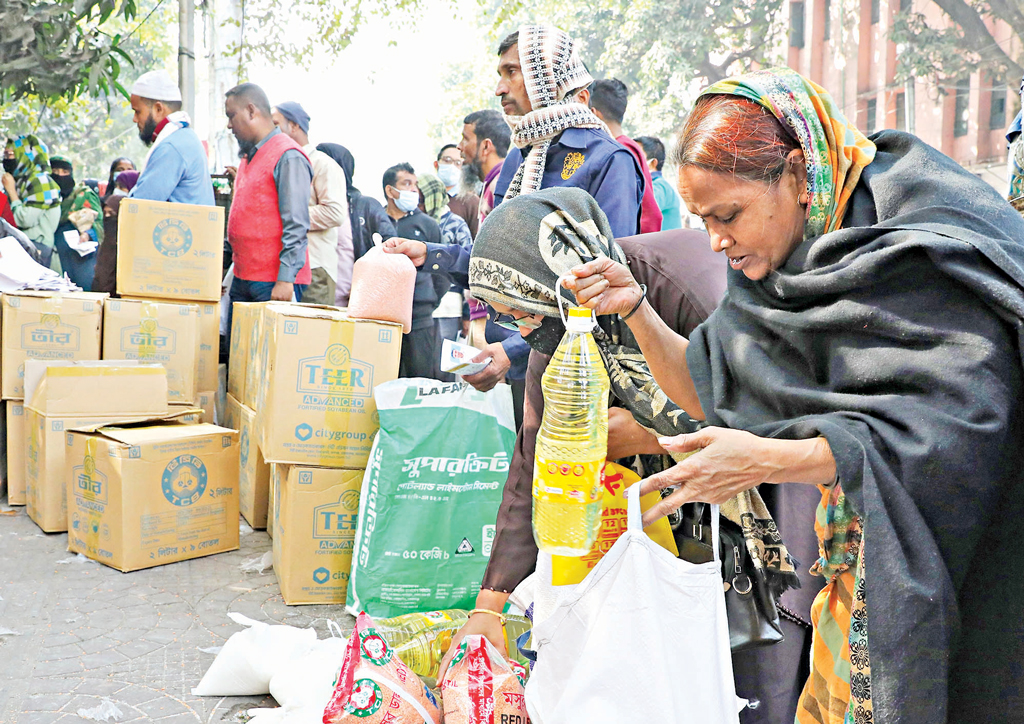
column 749, row 603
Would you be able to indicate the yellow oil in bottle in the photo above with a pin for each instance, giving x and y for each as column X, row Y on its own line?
column 572, row 443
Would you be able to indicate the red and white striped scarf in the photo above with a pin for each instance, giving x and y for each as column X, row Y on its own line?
column 551, row 69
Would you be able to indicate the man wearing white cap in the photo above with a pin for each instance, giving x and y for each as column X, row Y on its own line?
column 176, row 167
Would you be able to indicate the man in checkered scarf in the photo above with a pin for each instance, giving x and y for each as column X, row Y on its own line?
column 558, row 140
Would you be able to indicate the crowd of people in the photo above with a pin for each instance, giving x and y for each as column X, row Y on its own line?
column 848, row 323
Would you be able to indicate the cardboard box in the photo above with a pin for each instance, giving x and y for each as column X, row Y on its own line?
column 253, row 470
column 162, row 332
column 209, row 346
column 221, row 399
column 170, row 251
column 253, row 368
column 315, row 528
column 63, row 396
column 16, row 494
column 48, row 326
column 275, row 502
column 243, row 315
column 318, row 372
column 149, row 493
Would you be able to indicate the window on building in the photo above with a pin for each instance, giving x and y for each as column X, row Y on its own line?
column 906, row 6
column 828, row 19
column 961, row 105
column 872, row 115
column 876, row 11
column 901, row 111
column 796, row 25
column 997, row 109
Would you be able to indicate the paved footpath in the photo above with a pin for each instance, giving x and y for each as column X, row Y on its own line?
column 88, row 632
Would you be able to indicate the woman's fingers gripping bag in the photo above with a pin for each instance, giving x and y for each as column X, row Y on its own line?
column 481, row 687
column 375, row 687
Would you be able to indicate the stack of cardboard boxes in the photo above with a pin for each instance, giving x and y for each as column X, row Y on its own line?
column 92, row 446
column 169, row 271
column 309, row 374
column 40, row 326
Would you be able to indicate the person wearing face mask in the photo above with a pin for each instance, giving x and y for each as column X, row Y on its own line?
column 449, row 165
column 34, row 195
column 123, row 163
column 420, row 347
column 81, row 217
column 176, row 168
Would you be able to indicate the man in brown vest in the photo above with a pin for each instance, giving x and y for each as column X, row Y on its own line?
column 269, row 216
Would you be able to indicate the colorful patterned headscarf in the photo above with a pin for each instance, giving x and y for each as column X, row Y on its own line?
column 435, row 195
column 835, row 152
column 32, row 174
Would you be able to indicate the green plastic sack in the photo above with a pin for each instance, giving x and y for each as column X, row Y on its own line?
column 430, row 496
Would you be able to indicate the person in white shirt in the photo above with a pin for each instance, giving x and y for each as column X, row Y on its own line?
column 330, row 229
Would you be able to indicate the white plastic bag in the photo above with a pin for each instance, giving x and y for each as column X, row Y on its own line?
column 644, row 638
column 250, row 658
column 309, row 681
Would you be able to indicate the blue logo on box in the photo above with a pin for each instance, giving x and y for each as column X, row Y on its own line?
column 134, row 452
column 243, row 443
column 148, row 336
column 305, row 477
column 384, row 336
column 303, row 432
column 291, row 327
column 335, row 373
column 172, row 238
column 89, row 483
column 49, row 333
column 57, row 426
column 184, row 480
column 321, row 576
column 335, row 520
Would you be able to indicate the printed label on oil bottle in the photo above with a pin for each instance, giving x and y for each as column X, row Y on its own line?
column 557, row 481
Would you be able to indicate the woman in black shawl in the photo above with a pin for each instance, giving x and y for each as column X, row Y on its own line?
column 868, row 343
column 368, row 217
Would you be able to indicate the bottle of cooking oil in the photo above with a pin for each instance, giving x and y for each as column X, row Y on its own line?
column 422, row 639
column 572, row 443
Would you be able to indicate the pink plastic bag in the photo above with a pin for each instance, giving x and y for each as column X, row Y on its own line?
column 382, row 288
column 375, row 687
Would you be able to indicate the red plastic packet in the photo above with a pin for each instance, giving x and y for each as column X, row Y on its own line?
column 375, row 687
column 481, row 687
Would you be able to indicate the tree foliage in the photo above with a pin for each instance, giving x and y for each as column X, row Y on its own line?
column 94, row 126
column 664, row 50
column 940, row 54
column 60, row 48
column 268, row 27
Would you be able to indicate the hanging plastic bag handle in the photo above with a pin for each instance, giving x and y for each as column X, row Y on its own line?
column 558, row 300
column 634, row 517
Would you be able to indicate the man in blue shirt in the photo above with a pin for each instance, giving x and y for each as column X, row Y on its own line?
column 667, row 197
column 176, row 168
column 558, row 142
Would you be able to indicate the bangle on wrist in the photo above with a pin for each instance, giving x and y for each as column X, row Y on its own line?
column 501, row 616
column 643, row 296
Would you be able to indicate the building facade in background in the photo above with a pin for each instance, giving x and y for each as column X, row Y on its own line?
column 856, row 61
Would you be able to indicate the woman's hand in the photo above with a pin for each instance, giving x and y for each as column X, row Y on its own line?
column 604, row 286
column 483, row 624
column 727, row 462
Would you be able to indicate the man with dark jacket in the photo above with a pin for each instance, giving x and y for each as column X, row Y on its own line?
column 420, row 347
column 367, row 215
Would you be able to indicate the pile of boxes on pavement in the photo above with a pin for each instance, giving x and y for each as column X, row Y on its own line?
column 110, row 405
column 300, row 393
